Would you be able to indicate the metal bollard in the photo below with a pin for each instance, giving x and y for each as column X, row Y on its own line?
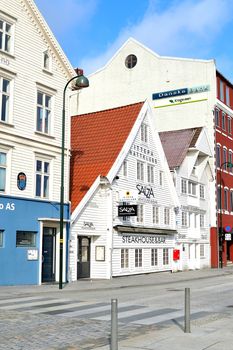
column 187, row 311
column 114, row 325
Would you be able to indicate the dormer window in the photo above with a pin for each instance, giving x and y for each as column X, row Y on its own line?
column 46, row 61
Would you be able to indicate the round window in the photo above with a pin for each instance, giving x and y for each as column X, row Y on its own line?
column 130, row 61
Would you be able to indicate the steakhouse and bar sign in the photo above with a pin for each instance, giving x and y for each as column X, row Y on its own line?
column 127, row 210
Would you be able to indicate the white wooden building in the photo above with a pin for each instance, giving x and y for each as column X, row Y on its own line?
column 33, row 73
column 118, row 164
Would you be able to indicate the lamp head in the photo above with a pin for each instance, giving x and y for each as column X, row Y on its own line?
column 229, row 165
column 81, row 82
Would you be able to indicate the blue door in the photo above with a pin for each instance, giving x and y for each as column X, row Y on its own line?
column 48, row 254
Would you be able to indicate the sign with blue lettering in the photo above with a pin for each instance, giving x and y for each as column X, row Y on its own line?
column 171, row 93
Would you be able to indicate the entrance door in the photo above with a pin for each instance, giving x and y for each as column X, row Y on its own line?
column 48, row 254
column 83, row 264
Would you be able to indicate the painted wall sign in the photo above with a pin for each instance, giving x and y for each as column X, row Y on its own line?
column 128, row 196
column 88, row 225
column 147, row 191
column 21, row 181
column 143, row 239
column 127, row 210
column 4, row 61
column 180, row 92
column 7, row 206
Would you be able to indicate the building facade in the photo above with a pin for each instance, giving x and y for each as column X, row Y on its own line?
column 183, row 93
column 33, row 72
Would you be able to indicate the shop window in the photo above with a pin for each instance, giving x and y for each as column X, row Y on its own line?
column 165, row 256
column 6, row 38
column 43, row 120
column 42, row 178
column 202, row 191
column 202, row 251
column 155, row 215
column 140, row 171
column 124, row 258
column 138, row 257
column 154, row 257
column 150, row 173
column 130, row 61
column 3, row 159
column 25, row 238
column 1, row 238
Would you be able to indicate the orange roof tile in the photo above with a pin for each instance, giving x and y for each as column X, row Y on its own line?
column 96, row 140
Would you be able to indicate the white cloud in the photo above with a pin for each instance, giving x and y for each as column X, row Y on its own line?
column 185, row 28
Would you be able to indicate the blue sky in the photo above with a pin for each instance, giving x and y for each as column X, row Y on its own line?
column 91, row 31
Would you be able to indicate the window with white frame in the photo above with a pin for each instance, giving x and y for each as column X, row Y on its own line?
column 165, row 256
column 192, row 188
column 154, row 257
column 161, row 178
column 183, row 186
column 1, row 238
column 5, row 36
column 138, row 257
column 184, row 219
column 218, row 156
column 4, row 99
column 3, row 166
column 144, row 133
column 46, row 60
column 125, row 168
column 43, row 120
column 231, row 200
column 150, row 173
column 229, row 125
column 230, row 169
column 140, row 171
column 202, row 220
column 202, row 191
column 227, row 95
column 223, row 121
column 202, row 251
column 155, row 214
column 217, row 117
column 124, row 258
column 140, row 213
column 225, row 199
column 166, row 216
column 221, row 91
column 42, row 178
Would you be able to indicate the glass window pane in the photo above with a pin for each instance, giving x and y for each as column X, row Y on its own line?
column 38, row 185
column 5, row 85
column 47, row 101
column 25, row 239
column 40, row 98
column 1, row 24
column 7, row 43
column 38, row 165
column 46, row 186
column 39, row 124
column 46, row 126
column 2, row 158
column 5, row 108
column 1, row 40
column 46, row 167
column 8, row 28
column 2, row 179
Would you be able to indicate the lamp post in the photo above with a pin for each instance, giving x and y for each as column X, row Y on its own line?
column 220, row 229
column 81, row 82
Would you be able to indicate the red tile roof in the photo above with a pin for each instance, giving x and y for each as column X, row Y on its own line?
column 96, row 140
column 176, row 144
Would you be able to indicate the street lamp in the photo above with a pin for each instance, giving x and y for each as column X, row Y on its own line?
column 81, row 82
column 227, row 165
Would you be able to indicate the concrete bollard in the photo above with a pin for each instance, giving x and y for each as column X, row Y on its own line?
column 187, row 328
column 114, row 325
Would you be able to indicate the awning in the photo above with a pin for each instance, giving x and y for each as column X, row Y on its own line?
column 137, row 229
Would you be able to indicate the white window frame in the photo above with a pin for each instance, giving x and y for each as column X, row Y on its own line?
column 140, row 170
column 227, row 95
column 229, row 124
column 154, row 256
column 124, row 258
column 150, row 173
column 218, row 156
column 184, row 218
column 161, row 178
column 3, row 168
column 202, row 220
column 44, row 109
column 140, row 216
column 167, row 216
column 165, row 256
column 202, row 191
column 138, row 257
column 183, row 186
column 224, row 121
column 144, row 132
column 43, row 175
column 192, row 188
column 6, row 21
column 155, row 214
column 217, row 117
column 47, row 61
column 202, row 251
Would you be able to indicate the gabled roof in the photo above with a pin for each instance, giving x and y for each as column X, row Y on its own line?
column 39, row 21
column 96, row 141
column 176, row 144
